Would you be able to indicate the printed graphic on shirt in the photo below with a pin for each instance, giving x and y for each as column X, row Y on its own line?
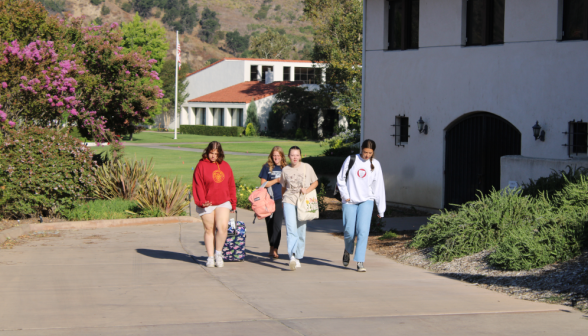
column 218, row 176
column 275, row 174
column 361, row 173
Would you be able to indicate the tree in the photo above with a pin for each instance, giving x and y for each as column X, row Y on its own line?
column 105, row 10
column 252, row 116
column 304, row 104
column 147, row 38
column 236, row 42
column 209, row 23
column 338, row 40
column 168, row 77
column 143, row 7
column 179, row 15
column 270, row 44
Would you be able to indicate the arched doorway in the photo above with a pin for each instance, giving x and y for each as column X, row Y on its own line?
column 473, row 147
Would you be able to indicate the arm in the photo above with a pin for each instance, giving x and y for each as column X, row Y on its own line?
column 342, row 182
column 313, row 186
column 198, row 187
column 270, row 183
column 232, row 189
column 313, row 177
column 379, row 190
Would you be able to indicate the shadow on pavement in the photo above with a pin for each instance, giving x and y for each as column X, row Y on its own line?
column 264, row 260
column 159, row 254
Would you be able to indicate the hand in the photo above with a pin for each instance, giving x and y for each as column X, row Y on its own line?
column 379, row 216
column 303, row 191
column 233, row 211
column 348, row 200
column 206, row 204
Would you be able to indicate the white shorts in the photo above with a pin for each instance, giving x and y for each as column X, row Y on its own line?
column 210, row 209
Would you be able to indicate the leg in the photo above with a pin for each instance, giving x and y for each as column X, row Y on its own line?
column 291, row 228
column 221, row 221
column 301, row 228
column 269, row 224
column 277, row 225
column 364, row 218
column 208, row 221
column 349, row 223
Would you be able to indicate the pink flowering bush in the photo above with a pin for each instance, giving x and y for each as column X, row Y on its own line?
column 44, row 171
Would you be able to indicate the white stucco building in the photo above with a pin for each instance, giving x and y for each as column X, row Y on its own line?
column 220, row 94
column 480, row 74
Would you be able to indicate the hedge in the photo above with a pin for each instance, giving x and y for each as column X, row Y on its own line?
column 212, row 130
column 325, row 165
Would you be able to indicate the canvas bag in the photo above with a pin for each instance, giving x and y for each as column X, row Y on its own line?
column 262, row 203
column 307, row 205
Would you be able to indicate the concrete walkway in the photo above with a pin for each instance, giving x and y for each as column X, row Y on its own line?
column 150, row 280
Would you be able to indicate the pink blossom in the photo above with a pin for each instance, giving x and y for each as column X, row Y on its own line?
column 4, row 85
column 11, row 123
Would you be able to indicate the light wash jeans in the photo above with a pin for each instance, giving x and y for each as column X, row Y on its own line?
column 356, row 222
column 296, row 231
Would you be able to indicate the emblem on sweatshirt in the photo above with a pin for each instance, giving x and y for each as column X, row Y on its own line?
column 361, row 173
column 218, row 176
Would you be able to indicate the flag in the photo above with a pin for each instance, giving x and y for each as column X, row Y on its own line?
column 179, row 56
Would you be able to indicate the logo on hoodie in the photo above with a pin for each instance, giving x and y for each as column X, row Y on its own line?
column 218, row 176
column 361, row 173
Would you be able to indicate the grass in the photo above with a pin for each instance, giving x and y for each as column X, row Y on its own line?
column 308, row 148
column 104, row 209
column 168, row 137
column 170, row 163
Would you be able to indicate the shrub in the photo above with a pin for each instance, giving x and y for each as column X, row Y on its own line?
column 127, row 7
column 170, row 197
column 43, row 171
column 322, row 203
column 104, row 209
column 388, row 235
column 299, row 134
column 343, row 144
column 96, row 2
column 105, row 10
column 250, row 131
column 212, row 130
column 243, row 192
column 325, row 165
column 554, row 182
column 57, row 6
column 252, row 115
column 122, row 179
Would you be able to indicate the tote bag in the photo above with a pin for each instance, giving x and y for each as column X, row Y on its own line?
column 307, row 205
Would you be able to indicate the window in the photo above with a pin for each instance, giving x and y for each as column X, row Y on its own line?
column 577, row 138
column 403, row 24
column 485, row 22
column 254, row 73
column 218, row 117
column 308, row 75
column 287, row 74
column 265, row 69
column 401, row 131
column 236, row 117
column 575, row 20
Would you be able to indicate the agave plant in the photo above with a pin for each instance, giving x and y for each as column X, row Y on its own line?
column 170, row 197
column 123, row 178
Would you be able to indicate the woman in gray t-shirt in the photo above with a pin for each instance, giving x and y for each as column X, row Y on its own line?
column 297, row 178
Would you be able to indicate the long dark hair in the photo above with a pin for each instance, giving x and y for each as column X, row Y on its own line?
column 214, row 145
column 371, row 144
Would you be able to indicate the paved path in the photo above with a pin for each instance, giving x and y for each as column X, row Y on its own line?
column 182, row 149
column 150, row 280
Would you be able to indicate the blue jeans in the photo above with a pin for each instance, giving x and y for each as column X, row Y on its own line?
column 356, row 222
column 296, row 231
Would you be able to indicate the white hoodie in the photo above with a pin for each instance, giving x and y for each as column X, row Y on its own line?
column 363, row 183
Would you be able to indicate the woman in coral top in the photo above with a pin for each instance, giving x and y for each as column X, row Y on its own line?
column 215, row 195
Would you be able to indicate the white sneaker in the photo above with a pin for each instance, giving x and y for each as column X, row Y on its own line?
column 293, row 262
column 210, row 262
column 298, row 263
column 219, row 260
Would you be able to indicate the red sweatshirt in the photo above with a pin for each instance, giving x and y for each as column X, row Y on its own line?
column 215, row 183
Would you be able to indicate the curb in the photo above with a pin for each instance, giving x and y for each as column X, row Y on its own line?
column 93, row 224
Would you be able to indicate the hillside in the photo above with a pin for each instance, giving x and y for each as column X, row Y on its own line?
column 240, row 15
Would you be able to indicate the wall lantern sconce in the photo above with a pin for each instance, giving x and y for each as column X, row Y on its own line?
column 538, row 133
column 423, row 128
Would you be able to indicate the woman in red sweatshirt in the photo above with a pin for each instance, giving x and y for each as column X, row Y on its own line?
column 215, row 195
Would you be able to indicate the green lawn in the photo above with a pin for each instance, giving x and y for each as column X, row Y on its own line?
column 170, row 163
column 168, row 137
column 308, row 148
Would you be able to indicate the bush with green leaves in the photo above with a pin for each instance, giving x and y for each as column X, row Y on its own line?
column 554, row 182
column 250, row 130
column 43, row 171
column 127, row 7
column 106, row 209
column 122, row 178
column 252, row 116
column 322, row 202
column 105, row 10
column 212, row 130
column 166, row 196
column 342, row 144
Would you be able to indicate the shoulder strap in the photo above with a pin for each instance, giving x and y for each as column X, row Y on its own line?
column 351, row 163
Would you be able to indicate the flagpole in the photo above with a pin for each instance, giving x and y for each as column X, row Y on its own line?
column 176, row 109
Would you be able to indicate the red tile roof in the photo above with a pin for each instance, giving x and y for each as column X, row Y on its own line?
column 248, row 59
column 244, row 92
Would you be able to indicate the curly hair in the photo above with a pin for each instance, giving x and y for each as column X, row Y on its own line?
column 214, row 145
column 270, row 159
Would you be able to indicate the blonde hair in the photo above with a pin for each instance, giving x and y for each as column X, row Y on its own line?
column 270, row 159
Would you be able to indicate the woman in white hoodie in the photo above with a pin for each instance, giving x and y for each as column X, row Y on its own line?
column 361, row 183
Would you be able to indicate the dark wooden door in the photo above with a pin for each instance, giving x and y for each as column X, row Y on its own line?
column 473, row 147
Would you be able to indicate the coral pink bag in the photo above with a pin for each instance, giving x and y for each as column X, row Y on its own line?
column 262, row 203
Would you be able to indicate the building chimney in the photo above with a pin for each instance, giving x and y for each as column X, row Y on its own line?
column 269, row 77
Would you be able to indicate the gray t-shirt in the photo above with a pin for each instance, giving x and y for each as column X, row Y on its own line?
column 292, row 179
